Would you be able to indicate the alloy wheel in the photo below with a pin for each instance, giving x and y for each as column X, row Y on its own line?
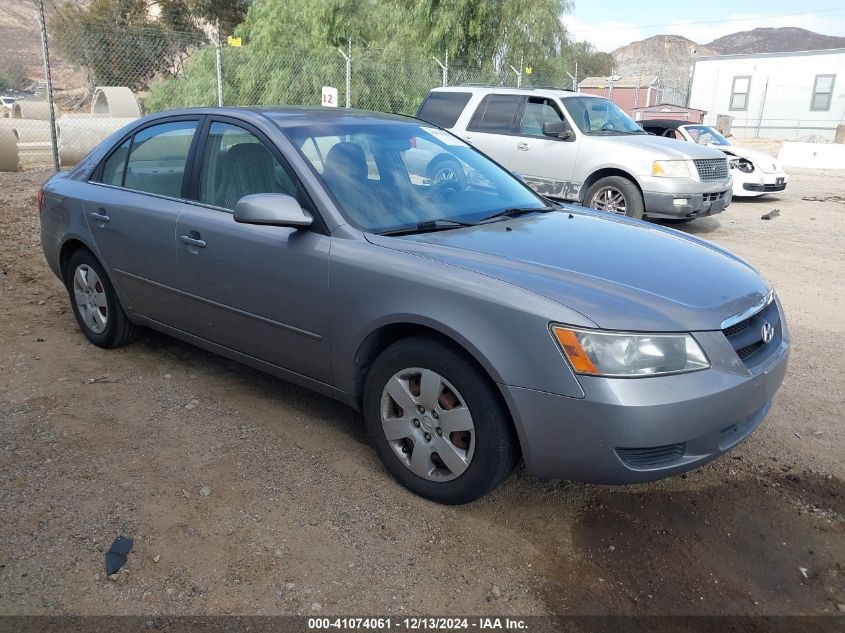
column 90, row 298
column 428, row 424
column 609, row 199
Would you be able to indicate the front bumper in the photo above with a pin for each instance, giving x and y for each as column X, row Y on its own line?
column 632, row 430
column 760, row 184
column 682, row 205
column 678, row 198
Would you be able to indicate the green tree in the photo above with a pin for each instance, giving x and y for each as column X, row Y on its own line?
column 120, row 42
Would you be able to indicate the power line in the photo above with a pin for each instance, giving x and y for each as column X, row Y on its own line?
column 753, row 17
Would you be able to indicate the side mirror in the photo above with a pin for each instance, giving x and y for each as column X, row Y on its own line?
column 557, row 129
column 276, row 209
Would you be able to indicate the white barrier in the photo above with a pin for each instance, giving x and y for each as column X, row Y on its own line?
column 812, row 155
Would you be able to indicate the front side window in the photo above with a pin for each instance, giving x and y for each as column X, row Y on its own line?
column 538, row 111
column 599, row 116
column 495, row 114
column 236, row 164
column 424, row 174
column 157, row 158
column 822, row 92
column 739, row 93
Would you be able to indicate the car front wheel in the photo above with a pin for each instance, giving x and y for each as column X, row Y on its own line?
column 615, row 194
column 437, row 421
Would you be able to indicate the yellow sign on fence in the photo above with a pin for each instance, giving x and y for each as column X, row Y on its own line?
column 233, row 41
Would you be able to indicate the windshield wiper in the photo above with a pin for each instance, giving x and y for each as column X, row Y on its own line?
column 515, row 212
column 427, row 226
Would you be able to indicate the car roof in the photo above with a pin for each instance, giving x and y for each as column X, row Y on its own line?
column 503, row 90
column 294, row 116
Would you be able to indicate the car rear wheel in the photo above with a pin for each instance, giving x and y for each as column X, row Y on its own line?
column 615, row 194
column 95, row 304
column 437, row 421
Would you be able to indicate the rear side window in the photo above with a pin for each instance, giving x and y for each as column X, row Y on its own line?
column 443, row 108
column 115, row 166
column 495, row 114
column 158, row 158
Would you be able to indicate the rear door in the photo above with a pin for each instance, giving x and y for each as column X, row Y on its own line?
column 493, row 126
column 546, row 163
column 259, row 290
column 132, row 205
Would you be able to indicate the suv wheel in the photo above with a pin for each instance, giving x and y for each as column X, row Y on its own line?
column 95, row 303
column 615, row 194
column 437, row 421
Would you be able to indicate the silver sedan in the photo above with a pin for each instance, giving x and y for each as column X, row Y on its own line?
column 472, row 322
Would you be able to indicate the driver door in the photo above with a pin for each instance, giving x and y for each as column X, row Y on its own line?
column 547, row 164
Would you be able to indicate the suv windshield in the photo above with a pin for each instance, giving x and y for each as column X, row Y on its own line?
column 595, row 115
column 389, row 175
column 705, row 135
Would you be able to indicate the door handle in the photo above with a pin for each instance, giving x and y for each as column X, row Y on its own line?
column 192, row 241
column 100, row 216
column 522, row 146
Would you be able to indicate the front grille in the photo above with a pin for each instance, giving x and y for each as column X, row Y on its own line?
column 711, row 168
column 748, row 350
column 736, row 328
column 746, row 337
column 651, row 456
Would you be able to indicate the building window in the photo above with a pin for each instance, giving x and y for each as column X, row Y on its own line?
column 739, row 93
column 822, row 92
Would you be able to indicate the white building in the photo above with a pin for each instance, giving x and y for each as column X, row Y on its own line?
column 791, row 96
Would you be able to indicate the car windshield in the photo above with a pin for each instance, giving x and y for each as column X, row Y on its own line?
column 705, row 135
column 595, row 115
column 388, row 176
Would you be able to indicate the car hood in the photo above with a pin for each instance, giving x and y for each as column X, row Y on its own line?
column 668, row 148
column 760, row 159
column 619, row 273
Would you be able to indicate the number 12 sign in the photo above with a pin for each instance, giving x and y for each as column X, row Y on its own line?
column 329, row 97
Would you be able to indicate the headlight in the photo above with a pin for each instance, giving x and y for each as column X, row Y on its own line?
column 742, row 165
column 671, row 168
column 621, row 354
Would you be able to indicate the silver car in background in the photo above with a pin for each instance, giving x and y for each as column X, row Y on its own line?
column 472, row 322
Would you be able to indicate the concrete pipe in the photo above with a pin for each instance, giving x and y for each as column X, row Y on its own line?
column 33, row 110
column 116, row 101
column 32, row 131
column 9, row 160
column 77, row 137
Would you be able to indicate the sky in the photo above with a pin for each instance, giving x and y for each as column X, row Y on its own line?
column 609, row 24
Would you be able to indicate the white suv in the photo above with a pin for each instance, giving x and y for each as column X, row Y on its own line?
column 584, row 148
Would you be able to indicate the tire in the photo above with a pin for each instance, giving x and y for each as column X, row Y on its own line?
column 97, row 296
column 616, row 187
column 489, row 449
column 447, row 171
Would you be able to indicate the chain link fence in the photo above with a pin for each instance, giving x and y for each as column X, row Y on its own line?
column 104, row 75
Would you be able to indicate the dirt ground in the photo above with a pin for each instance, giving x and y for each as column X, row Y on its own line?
column 247, row 495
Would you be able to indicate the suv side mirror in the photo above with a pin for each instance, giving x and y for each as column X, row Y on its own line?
column 276, row 209
column 557, row 129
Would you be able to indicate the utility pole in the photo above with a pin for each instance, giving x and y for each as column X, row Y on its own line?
column 54, row 140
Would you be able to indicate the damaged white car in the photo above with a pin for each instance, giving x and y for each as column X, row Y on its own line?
column 754, row 173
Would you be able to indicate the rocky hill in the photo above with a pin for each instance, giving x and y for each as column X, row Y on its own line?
column 774, row 41
column 20, row 45
column 667, row 55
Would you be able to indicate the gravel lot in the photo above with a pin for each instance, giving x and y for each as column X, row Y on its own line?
column 245, row 494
